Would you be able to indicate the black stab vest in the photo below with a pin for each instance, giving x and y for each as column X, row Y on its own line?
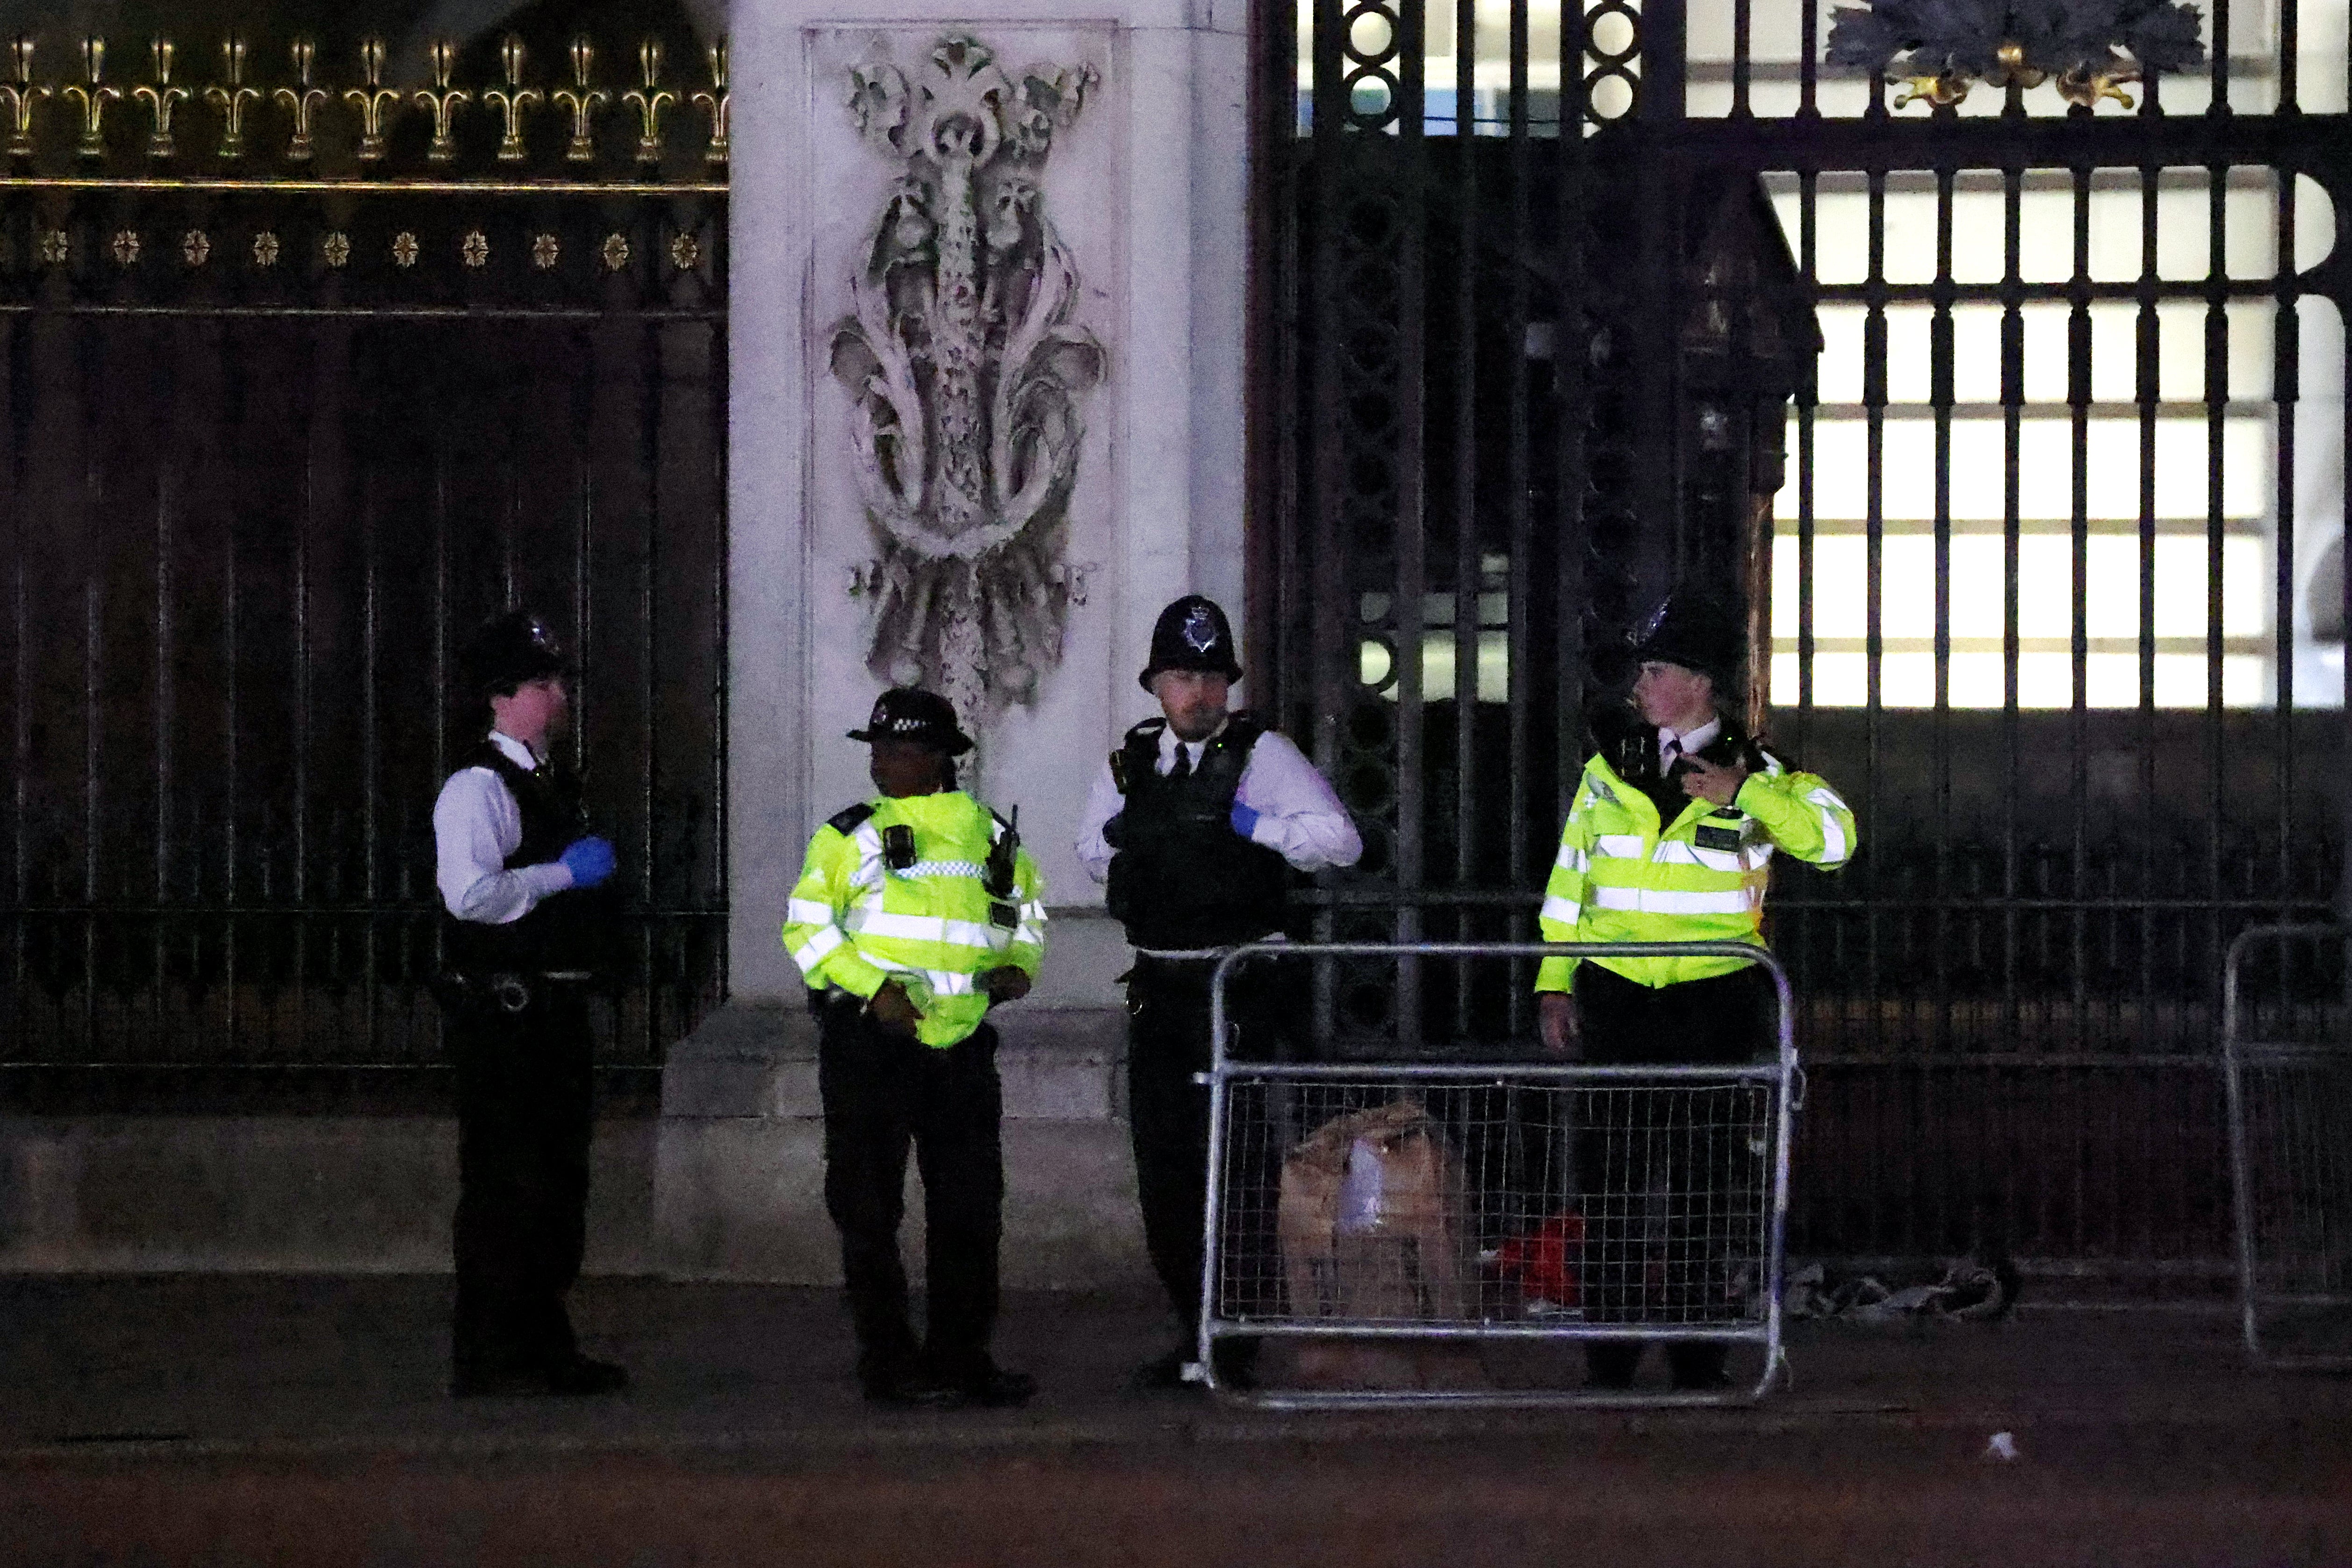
column 566, row 932
column 1181, row 878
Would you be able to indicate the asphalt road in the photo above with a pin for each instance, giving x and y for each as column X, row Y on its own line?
column 1649, row 1492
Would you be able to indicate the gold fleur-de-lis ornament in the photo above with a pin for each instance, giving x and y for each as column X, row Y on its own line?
column 20, row 97
column 404, row 248
column 55, row 246
column 649, row 102
column 544, row 250
column 230, row 101
column 685, row 252
column 335, row 249
column 443, row 100
column 93, row 95
column 616, row 251
column 126, row 246
column 513, row 101
column 194, row 247
column 161, row 99
column 265, row 249
column 301, row 102
column 714, row 104
column 583, row 101
column 475, row 249
column 373, row 102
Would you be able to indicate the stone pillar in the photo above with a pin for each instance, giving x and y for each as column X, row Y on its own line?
column 1110, row 183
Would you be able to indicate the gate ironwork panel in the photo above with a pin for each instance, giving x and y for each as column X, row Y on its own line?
column 288, row 407
column 2053, row 589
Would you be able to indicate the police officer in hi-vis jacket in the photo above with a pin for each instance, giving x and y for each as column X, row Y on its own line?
column 1670, row 838
column 916, row 912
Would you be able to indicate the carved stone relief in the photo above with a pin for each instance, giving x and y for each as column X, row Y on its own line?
column 966, row 375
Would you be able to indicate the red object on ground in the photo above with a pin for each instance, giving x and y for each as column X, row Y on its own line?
column 1541, row 1264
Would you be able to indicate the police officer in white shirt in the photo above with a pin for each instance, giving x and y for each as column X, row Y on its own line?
column 1197, row 823
column 522, row 935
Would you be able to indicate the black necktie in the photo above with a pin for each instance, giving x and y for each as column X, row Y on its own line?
column 1181, row 768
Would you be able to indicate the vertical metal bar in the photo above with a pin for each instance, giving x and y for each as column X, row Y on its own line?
column 649, row 649
column 2012, row 407
column 1412, row 518
column 2220, row 57
column 303, row 514
column 93, row 510
column 1809, row 55
column 2216, row 407
column 1808, row 403
column 21, row 694
column 1742, row 31
column 2148, row 389
column 1873, row 399
column 2078, row 400
column 165, row 696
column 1939, row 398
column 2290, row 46
column 1519, row 460
column 1466, row 576
column 371, row 746
column 2285, row 390
column 232, row 730
column 1568, row 366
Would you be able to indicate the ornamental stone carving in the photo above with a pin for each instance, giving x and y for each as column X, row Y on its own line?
column 966, row 375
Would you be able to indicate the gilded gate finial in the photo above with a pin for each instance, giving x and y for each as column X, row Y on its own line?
column 583, row 100
column 443, row 100
column 301, row 102
column 230, row 100
column 20, row 96
column 161, row 99
column 513, row 101
column 94, row 96
column 714, row 103
column 372, row 100
column 649, row 100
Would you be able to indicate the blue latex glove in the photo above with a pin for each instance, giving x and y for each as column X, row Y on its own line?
column 590, row 861
column 1244, row 820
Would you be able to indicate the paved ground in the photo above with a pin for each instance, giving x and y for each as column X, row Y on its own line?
column 226, row 1420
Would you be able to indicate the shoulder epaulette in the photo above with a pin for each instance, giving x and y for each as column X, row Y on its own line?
column 849, row 821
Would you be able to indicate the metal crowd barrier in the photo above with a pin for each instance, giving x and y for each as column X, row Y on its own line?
column 1419, row 1232
column 2288, row 1067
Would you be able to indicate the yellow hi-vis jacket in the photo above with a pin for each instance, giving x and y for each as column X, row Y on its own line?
column 856, row 923
column 1624, row 876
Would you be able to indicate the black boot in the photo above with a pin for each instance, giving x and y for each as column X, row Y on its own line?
column 1611, row 1364
column 1697, row 1365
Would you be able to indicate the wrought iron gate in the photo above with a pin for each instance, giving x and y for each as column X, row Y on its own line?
column 2054, row 591
column 311, row 360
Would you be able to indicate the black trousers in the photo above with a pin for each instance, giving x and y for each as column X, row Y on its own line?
column 524, row 1115
column 1167, row 1115
column 884, row 1094
column 1655, row 1138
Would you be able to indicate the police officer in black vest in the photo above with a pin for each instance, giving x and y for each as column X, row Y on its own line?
column 1197, row 823
column 522, row 935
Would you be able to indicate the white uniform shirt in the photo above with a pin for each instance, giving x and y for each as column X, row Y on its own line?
column 1298, row 816
column 1688, row 744
column 476, row 825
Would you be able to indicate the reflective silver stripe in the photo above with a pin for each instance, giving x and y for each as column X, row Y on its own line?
column 817, row 948
column 924, row 928
column 808, row 912
column 1623, row 845
column 942, row 981
column 1573, row 857
column 972, row 870
column 1565, row 911
column 1028, row 936
column 1674, row 852
column 1661, row 902
column 1833, row 833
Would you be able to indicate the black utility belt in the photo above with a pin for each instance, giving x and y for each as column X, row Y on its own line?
column 509, row 991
